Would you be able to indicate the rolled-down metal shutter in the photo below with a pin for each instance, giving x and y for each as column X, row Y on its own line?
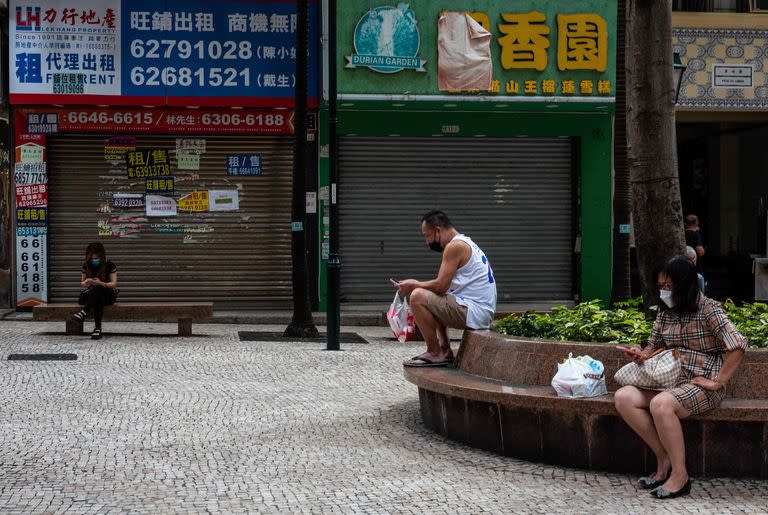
column 512, row 196
column 234, row 259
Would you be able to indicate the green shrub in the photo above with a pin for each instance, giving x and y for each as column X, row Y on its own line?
column 751, row 320
column 623, row 323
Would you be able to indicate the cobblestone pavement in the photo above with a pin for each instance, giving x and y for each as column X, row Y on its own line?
column 159, row 424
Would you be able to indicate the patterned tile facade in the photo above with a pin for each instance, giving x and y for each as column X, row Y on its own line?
column 700, row 49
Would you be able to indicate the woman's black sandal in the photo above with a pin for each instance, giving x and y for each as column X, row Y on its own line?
column 660, row 493
column 79, row 316
column 648, row 483
column 96, row 334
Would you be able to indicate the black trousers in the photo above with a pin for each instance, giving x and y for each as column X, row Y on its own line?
column 95, row 298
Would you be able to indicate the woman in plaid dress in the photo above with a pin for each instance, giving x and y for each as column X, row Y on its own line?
column 711, row 349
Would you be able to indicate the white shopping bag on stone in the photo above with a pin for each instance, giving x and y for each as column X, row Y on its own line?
column 581, row 376
column 401, row 319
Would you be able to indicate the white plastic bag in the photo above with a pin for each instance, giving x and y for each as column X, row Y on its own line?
column 401, row 319
column 579, row 377
column 463, row 54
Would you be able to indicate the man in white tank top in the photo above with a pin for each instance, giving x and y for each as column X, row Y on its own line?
column 462, row 296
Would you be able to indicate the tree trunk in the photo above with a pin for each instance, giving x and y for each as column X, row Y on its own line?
column 301, row 324
column 652, row 143
column 622, row 194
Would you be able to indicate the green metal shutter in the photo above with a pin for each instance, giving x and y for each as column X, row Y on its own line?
column 513, row 196
column 244, row 262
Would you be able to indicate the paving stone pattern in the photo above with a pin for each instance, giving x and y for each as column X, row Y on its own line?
column 161, row 424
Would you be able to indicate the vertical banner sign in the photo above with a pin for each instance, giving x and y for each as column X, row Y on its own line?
column 31, row 185
column 171, row 52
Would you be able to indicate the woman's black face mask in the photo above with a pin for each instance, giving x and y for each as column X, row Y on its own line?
column 435, row 244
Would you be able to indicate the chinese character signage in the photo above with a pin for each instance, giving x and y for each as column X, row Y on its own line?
column 158, row 205
column 31, row 195
column 196, row 201
column 169, row 52
column 148, row 163
column 190, row 121
column 30, row 153
column 244, row 165
column 164, row 186
column 188, row 161
column 31, row 220
column 43, row 123
column 116, row 147
column 538, row 48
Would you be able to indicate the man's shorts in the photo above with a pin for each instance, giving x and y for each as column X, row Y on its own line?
column 447, row 311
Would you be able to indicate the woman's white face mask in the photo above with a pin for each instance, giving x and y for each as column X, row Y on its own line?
column 666, row 298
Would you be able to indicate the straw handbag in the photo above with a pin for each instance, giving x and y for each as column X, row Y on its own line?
column 658, row 372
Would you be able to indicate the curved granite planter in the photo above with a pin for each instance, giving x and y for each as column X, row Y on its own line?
column 499, row 398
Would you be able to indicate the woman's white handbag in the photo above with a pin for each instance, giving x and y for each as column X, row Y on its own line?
column 659, row 371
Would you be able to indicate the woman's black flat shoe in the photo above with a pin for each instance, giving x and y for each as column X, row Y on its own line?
column 660, row 493
column 96, row 334
column 648, row 483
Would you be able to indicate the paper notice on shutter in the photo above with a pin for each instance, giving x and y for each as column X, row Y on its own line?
column 158, row 205
column 223, row 200
column 464, row 54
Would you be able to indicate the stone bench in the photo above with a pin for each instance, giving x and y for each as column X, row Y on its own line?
column 499, row 398
column 182, row 312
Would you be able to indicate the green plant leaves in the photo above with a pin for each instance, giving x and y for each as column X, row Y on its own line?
column 623, row 323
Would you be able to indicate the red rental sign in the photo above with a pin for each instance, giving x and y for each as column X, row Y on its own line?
column 31, row 195
column 148, row 120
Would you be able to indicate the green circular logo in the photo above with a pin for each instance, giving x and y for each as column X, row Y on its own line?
column 389, row 36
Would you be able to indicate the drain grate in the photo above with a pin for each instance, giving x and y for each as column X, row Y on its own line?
column 42, row 357
column 267, row 336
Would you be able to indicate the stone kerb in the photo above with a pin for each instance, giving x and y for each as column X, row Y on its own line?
column 499, row 398
column 526, row 361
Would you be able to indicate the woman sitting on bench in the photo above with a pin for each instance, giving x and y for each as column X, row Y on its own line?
column 711, row 349
column 99, row 278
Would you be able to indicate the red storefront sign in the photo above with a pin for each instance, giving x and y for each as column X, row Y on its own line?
column 159, row 120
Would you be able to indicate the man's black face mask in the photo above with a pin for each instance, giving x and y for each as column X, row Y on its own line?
column 435, row 244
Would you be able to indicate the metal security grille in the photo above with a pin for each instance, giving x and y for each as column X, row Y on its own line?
column 234, row 259
column 514, row 197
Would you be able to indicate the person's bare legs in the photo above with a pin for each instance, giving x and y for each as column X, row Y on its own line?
column 633, row 404
column 667, row 413
column 444, row 340
column 428, row 325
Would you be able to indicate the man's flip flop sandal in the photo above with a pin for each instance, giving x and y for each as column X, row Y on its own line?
column 426, row 362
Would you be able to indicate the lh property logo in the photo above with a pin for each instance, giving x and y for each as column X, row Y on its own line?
column 27, row 18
